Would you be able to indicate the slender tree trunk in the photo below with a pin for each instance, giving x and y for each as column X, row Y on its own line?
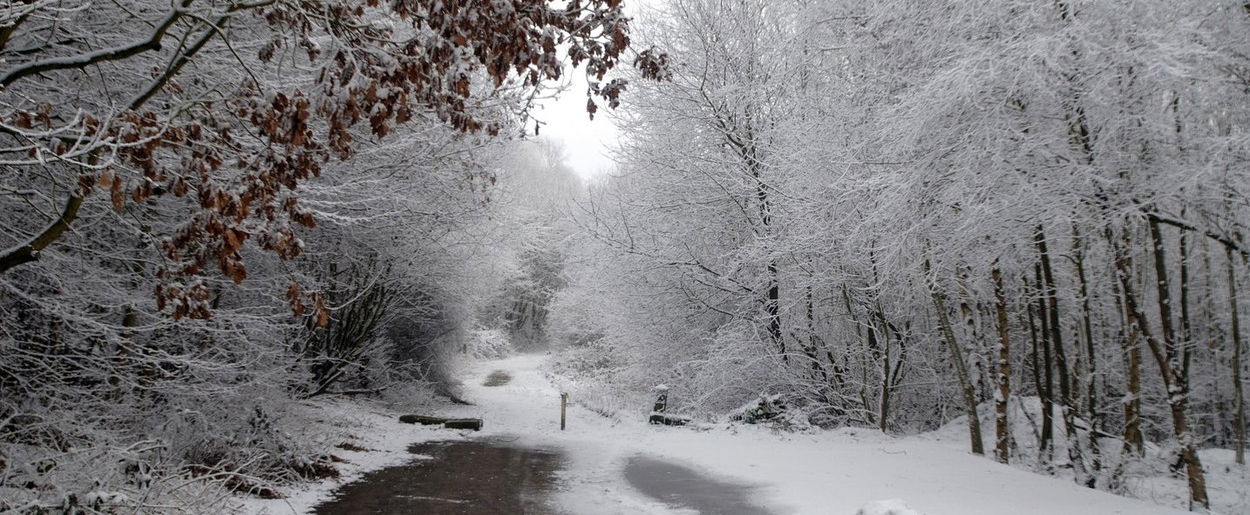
column 1035, row 354
column 1239, row 407
column 865, row 366
column 772, row 299
column 1043, row 438
column 1167, row 356
column 884, row 414
column 772, row 306
column 1134, row 441
column 1046, row 393
column 973, row 313
column 1091, row 360
column 1002, row 429
column 961, row 368
column 1187, row 334
column 1067, row 394
column 818, row 371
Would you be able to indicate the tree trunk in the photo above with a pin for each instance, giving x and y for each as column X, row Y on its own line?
column 772, row 307
column 1067, row 394
column 1239, row 407
column 1166, row 356
column 1046, row 393
column 1187, row 335
column 961, row 368
column 1036, row 359
column 772, row 299
column 819, row 373
column 1002, row 430
column 883, row 415
column 1133, row 440
column 1091, row 359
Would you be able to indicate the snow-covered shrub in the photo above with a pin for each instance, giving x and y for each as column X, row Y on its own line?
column 761, row 409
column 597, row 379
column 412, row 395
column 485, row 343
column 730, row 371
column 250, row 450
column 571, row 324
column 186, row 447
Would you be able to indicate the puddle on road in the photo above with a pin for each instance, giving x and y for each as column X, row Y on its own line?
column 492, row 477
column 464, row 477
column 687, row 488
column 497, row 378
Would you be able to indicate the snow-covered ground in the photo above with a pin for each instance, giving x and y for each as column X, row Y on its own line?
column 380, row 439
column 833, row 472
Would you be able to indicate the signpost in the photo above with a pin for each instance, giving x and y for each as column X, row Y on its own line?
column 564, row 401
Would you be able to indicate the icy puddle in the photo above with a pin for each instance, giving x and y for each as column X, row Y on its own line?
column 463, row 477
column 497, row 378
column 687, row 488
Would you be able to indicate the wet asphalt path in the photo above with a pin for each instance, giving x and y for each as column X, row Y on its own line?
column 458, row 478
column 494, row 476
column 488, row 477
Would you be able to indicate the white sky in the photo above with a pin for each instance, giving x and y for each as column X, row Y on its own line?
column 586, row 141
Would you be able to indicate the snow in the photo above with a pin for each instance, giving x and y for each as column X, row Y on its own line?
column 1148, row 477
column 374, row 429
column 887, row 507
column 845, row 471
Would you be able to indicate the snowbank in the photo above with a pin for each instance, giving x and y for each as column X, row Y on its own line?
column 366, row 436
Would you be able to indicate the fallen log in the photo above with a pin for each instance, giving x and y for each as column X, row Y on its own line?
column 464, row 423
column 668, row 420
column 449, row 423
column 422, row 419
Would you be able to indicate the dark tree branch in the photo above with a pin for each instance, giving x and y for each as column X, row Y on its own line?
column 111, row 54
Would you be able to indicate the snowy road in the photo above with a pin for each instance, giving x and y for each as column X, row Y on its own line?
column 834, row 472
column 524, row 409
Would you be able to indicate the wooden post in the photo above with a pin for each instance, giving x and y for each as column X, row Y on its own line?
column 661, row 400
column 564, row 401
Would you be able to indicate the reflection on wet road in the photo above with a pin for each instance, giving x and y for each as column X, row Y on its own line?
column 687, row 488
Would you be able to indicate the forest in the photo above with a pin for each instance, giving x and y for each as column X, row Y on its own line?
column 1025, row 220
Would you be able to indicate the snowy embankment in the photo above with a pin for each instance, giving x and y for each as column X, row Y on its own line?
column 365, row 436
column 831, row 472
column 1149, row 477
